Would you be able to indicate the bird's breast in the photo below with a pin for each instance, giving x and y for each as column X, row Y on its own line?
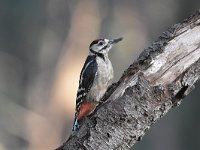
column 103, row 79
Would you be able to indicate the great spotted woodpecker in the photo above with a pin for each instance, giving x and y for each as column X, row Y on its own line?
column 96, row 76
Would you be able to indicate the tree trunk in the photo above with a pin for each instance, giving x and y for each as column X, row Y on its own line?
column 157, row 81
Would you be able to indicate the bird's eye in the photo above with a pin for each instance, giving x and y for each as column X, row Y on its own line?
column 100, row 43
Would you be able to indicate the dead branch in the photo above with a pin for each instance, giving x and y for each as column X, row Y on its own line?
column 157, row 81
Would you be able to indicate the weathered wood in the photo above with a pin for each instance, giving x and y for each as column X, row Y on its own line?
column 158, row 80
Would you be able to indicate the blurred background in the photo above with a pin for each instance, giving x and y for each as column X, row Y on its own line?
column 43, row 45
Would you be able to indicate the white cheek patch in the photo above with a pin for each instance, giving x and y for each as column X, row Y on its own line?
column 106, row 41
column 96, row 48
column 101, row 48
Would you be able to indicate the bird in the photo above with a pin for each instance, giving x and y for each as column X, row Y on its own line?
column 95, row 78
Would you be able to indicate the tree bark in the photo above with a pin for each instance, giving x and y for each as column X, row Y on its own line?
column 157, row 81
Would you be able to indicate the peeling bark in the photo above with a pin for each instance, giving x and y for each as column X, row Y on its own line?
column 157, row 81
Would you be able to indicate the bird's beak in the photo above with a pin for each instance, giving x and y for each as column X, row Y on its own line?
column 115, row 40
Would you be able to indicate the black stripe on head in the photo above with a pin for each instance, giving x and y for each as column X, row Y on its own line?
column 98, row 54
column 96, row 41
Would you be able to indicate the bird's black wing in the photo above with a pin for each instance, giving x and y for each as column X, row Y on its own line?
column 87, row 77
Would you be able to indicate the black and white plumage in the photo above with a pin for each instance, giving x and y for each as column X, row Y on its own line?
column 87, row 77
column 96, row 76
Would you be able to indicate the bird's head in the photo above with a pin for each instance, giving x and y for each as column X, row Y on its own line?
column 103, row 45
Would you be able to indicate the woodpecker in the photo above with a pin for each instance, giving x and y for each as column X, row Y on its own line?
column 96, row 76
